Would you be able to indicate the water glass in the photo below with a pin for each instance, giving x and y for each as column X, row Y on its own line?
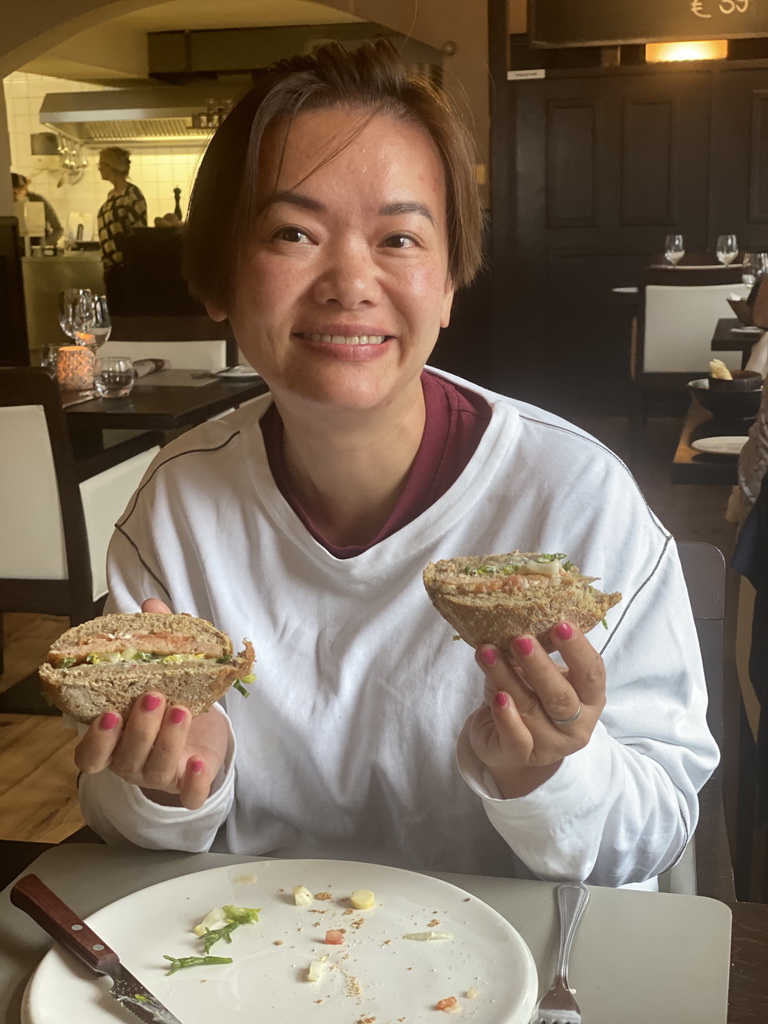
column 674, row 249
column 114, row 376
column 49, row 355
column 727, row 249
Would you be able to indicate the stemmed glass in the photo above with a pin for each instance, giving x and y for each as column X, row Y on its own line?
column 727, row 249
column 674, row 249
column 76, row 312
column 101, row 328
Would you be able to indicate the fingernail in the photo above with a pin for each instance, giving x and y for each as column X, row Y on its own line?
column 149, row 702
column 177, row 715
column 109, row 720
column 564, row 631
column 523, row 646
column 196, row 764
column 488, row 656
column 500, row 699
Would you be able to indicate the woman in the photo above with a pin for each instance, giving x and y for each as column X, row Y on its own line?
column 123, row 210
column 333, row 216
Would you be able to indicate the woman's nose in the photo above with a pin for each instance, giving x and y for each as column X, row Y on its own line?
column 349, row 277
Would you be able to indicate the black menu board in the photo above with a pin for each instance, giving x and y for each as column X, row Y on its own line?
column 554, row 23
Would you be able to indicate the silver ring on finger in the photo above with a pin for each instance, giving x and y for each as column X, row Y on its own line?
column 560, row 722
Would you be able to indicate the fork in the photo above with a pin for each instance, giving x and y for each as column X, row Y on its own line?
column 557, row 1006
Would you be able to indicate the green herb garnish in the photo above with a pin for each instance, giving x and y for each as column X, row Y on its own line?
column 178, row 962
column 605, row 624
column 210, row 938
column 240, row 684
column 140, row 998
column 68, row 662
column 225, row 659
column 242, row 915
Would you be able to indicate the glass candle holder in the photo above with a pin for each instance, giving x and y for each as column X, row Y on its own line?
column 74, row 367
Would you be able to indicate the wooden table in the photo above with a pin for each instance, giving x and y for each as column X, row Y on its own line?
column 748, row 975
column 693, row 467
column 730, row 336
column 155, row 407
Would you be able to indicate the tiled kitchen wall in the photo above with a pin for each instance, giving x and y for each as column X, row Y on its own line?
column 156, row 170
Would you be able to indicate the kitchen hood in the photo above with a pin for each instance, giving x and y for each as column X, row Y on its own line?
column 158, row 113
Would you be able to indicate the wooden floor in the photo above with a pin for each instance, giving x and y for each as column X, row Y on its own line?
column 37, row 776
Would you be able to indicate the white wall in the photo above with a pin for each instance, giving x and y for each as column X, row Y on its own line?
column 156, row 170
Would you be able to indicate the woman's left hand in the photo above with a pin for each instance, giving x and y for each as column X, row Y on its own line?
column 517, row 737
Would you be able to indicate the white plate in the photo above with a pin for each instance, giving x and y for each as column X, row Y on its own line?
column 375, row 974
column 720, row 445
column 238, row 373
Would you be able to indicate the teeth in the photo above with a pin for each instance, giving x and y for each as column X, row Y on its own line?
column 340, row 339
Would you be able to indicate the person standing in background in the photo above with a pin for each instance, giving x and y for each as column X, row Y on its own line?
column 123, row 210
column 53, row 228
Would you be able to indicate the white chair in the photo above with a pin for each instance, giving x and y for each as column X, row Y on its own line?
column 672, row 336
column 57, row 516
column 182, row 355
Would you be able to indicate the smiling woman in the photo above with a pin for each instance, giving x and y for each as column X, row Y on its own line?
column 334, row 215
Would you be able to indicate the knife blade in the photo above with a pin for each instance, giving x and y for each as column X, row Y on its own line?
column 33, row 896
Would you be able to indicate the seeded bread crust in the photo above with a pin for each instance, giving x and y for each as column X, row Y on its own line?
column 86, row 691
column 142, row 622
column 498, row 616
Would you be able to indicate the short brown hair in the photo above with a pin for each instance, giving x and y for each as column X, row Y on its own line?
column 117, row 158
column 373, row 78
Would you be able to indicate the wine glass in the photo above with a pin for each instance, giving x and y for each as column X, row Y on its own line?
column 76, row 312
column 101, row 328
column 674, row 249
column 727, row 249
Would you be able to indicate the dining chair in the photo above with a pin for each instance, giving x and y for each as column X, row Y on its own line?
column 705, row 867
column 672, row 335
column 56, row 515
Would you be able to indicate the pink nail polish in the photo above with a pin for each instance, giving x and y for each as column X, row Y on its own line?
column 109, row 720
column 500, row 699
column 196, row 764
column 523, row 646
column 564, row 631
column 177, row 715
column 149, row 702
column 488, row 656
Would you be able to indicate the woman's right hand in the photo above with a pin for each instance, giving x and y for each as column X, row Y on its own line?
column 172, row 756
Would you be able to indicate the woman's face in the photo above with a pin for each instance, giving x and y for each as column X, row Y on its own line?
column 345, row 283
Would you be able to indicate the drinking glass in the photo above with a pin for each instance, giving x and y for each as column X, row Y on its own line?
column 727, row 249
column 101, row 328
column 76, row 311
column 749, row 268
column 674, row 249
column 114, row 376
column 49, row 355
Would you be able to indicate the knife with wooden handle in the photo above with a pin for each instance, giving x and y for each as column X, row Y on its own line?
column 33, row 896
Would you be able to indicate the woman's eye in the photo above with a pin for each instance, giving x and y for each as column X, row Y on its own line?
column 289, row 234
column 399, row 242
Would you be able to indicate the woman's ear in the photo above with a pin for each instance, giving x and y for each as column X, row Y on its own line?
column 445, row 313
column 214, row 312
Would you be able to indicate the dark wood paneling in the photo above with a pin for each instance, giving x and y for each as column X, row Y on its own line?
column 758, row 185
column 571, row 157
column 647, row 158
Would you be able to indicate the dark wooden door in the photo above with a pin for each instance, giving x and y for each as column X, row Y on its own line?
column 605, row 165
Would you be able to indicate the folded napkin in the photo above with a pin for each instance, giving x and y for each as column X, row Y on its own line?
column 142, row 367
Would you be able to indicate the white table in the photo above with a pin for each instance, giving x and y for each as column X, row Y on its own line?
column 639, row 958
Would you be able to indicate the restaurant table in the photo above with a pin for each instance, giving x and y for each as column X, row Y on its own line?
column 693, row 467
column 638, row 957
column 166, row 402
column 732, row 336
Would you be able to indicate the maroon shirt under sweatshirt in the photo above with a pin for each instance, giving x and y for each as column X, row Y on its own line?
column 455, row 421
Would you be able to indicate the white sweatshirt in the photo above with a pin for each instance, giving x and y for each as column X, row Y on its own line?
column 346, row 747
